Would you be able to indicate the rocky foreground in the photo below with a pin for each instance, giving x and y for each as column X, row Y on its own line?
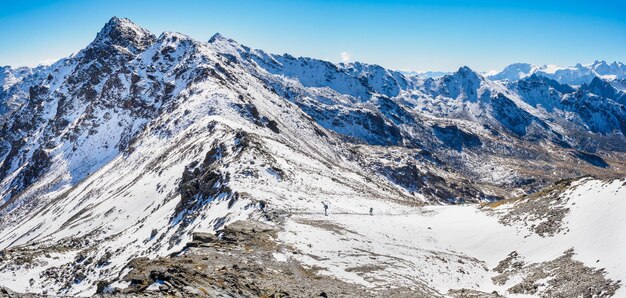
column 240, row 261
column 447, row 251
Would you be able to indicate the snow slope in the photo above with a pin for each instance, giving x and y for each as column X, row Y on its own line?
column 453, row 247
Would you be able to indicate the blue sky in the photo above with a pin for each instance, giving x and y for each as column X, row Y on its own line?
column 408, row 35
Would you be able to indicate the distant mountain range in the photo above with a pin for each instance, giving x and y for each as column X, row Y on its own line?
column 572, row 75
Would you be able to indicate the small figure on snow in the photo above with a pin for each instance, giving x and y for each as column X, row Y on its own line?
column 262, row 205
column 371, row 211
column 325, row 208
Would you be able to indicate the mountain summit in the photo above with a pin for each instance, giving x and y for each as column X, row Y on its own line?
column 122, row 32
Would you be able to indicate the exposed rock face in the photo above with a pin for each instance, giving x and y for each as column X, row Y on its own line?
column 120, row 32
column 455, row 138
column 561, row 277
column 465, row 293
column 203, row 237
column 72, row 106
column 541, row 212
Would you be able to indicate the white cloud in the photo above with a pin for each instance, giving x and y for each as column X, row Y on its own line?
column 345, row 57
column 46, row 62
column 491, row 72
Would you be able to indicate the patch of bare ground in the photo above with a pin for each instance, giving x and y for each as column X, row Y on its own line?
column 467, row 293
column 243, row 260
column 558, row 278
column 541, row 212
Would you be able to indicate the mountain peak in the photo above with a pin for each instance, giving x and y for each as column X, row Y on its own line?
column 467, row 72
column 465, row 69
column 539, row 78
column 216, row 37
column 513, row 72
column 122, row 32
column 600, row 87
column 116, row 21
column 520, row 66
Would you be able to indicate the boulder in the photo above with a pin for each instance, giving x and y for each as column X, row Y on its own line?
column 202, row 237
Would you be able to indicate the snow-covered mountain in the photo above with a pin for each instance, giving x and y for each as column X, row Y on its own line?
column 427, row 74
column 10, row 98
column 572, row 75
column 126, row 148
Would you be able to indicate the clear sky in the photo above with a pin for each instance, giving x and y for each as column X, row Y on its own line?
column 407, row 35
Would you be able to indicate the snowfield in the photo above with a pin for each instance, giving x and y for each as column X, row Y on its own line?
column 453, row 247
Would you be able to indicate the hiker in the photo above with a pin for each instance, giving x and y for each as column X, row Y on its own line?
column 325, row 208
column 262, row 205
column 371, row 211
